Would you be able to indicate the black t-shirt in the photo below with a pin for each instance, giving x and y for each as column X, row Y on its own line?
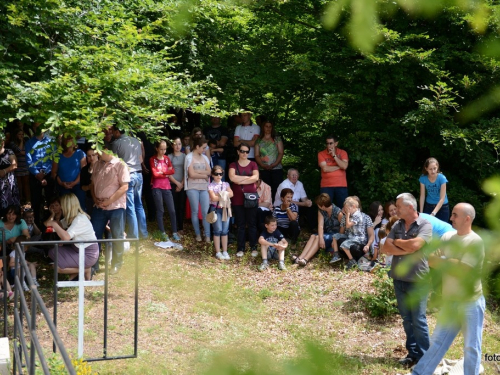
column 274, row 237
column 217, row 134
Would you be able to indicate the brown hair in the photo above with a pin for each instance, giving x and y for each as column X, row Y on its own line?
column 426, row 165
column 386, row 209
column 285, row 192
column 323, row 200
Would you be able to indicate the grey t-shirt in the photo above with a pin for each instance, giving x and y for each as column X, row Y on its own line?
column 129, row 150
column 178, row 163
column 417, row 262
column 471, row 253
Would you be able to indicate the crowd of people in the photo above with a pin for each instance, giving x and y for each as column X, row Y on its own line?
column 227, row 179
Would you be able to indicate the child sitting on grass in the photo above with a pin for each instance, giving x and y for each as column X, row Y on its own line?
column 355, row 232
column 272, row 244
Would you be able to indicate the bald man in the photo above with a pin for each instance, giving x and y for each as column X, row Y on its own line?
column 463, row 300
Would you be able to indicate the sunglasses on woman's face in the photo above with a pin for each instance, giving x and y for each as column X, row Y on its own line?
column 245, row 151
column 218, row 174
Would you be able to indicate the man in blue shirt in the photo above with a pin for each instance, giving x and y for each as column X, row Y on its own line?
column 38, row 158
column 439, row 227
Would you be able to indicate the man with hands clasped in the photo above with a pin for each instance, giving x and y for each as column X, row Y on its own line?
column 333, row 163
column 109, row 186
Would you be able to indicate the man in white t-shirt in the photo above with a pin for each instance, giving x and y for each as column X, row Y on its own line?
column 299, row 198
column 247, row 132
column 463, row 300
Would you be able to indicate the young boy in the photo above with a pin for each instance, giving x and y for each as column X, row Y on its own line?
column 355, row 232
column 272, row 244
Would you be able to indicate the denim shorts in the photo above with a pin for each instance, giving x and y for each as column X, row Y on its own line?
column 272, row 253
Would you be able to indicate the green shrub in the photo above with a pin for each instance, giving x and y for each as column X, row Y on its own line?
column 382, row 302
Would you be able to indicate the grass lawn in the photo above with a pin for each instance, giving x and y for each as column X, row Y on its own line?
column 200, row 315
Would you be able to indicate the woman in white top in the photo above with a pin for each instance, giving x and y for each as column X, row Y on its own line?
column 79, row 228
column 197, row 176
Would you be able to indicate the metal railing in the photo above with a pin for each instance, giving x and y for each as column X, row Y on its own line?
column 4, row 283
column 21, row 309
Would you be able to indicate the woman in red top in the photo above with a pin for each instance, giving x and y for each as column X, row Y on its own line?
column 161, row 168
column 244, row 174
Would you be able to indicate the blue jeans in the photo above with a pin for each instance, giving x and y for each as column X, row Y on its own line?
column 414, row 319
column 161, row 197
column 199, row 197
column 445, row 332
column 221, row 228
column 135, row 215
column 116, row 220
column 337, row 194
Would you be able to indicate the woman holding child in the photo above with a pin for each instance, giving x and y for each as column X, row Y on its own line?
column 329, row 217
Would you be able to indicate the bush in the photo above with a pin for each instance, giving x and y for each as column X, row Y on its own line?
column 383, row 302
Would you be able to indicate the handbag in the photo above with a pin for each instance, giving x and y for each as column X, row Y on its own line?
column 212, row 215
column 250, row 200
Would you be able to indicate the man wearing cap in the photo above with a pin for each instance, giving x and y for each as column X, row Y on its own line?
column 333, row 163
column 248, row 132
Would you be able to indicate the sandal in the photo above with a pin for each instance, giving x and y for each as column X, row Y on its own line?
column 302, row 262
column 295, row 258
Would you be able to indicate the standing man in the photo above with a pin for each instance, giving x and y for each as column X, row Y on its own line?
column 130, row 150
column 37, row 149
column 109, row 185
column 218, row 133
column 409, row 265
column 247, row 132
column 333, row 162
column 464, row 303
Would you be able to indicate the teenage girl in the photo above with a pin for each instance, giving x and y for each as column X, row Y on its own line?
column 436, row 201
column 221, row 228
column 161, row 169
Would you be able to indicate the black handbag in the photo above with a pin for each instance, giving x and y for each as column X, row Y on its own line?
column 251, row 200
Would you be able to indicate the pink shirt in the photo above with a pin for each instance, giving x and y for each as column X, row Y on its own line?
column 160, row 170
column 107, row 178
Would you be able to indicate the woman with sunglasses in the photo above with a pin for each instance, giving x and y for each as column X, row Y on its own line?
column 244, row 174
column 221, row 228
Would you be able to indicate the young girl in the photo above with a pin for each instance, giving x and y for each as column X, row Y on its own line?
column 436, row 201
column 161, row 169
column 221, row 228
column 196, row 178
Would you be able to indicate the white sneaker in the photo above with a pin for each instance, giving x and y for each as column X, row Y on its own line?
column 226, row 255
column 220, row 256
column 255, row 253
column 239, row 254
